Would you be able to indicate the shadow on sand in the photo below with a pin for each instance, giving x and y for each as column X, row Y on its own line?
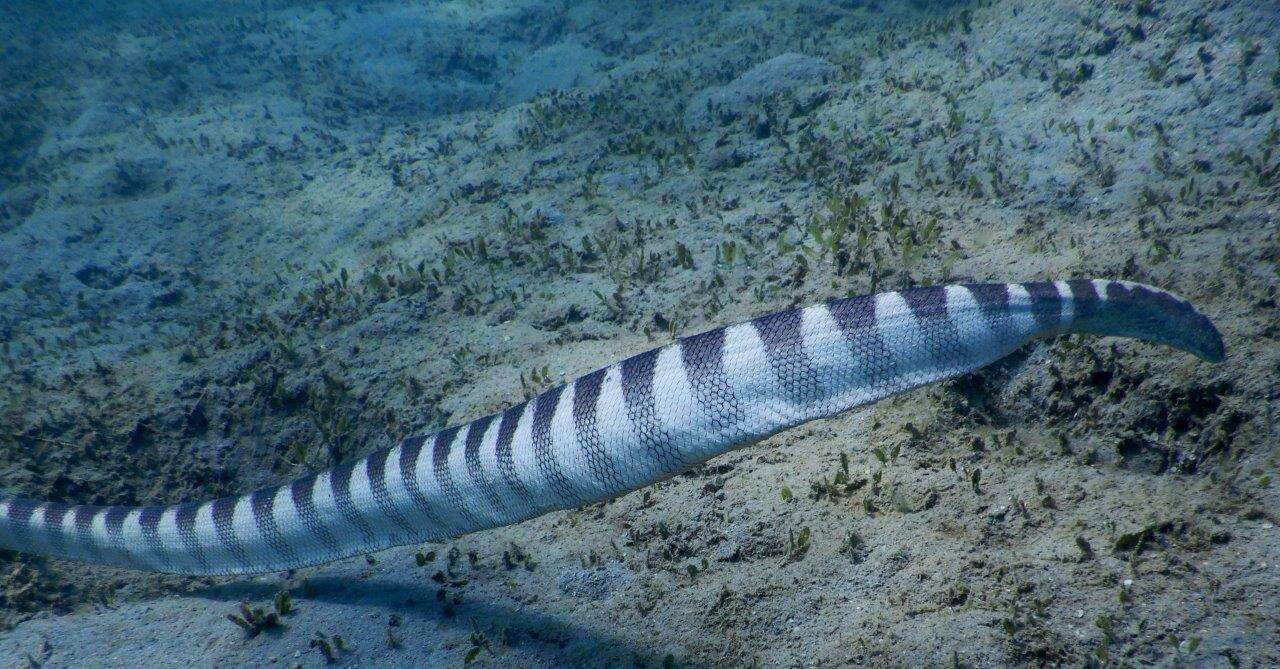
column 570, row 644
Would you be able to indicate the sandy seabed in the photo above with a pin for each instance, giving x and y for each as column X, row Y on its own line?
column 240, row 241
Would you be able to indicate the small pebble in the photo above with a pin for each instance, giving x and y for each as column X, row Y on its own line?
column 1079, row 613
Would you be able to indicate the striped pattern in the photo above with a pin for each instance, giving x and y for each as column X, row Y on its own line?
column 616, row 429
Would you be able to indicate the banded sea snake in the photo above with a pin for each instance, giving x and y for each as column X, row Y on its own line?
column 614, row 430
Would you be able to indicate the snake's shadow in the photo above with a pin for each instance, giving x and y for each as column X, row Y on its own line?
column 543, row 633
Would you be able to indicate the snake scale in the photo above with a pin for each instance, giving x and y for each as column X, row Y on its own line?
column 614, row 430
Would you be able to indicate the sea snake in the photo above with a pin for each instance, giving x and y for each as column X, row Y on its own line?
column 614, row 430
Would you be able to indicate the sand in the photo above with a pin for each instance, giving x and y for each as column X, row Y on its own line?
column 240, row 241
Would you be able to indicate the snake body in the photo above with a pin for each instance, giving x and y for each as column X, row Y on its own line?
column 617, row 429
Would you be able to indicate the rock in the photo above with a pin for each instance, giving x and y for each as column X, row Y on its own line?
column 1258, row 103
column 783, row 73
column 131, row 177
column 104, row 119
column 622, row 180
column 592, row 584
column 561, row 317
column 724, row 158
column 556, row 67
column 99, row 277
column 19, row 202
column 787, row 73
column 500, row 317
column 548, row 214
